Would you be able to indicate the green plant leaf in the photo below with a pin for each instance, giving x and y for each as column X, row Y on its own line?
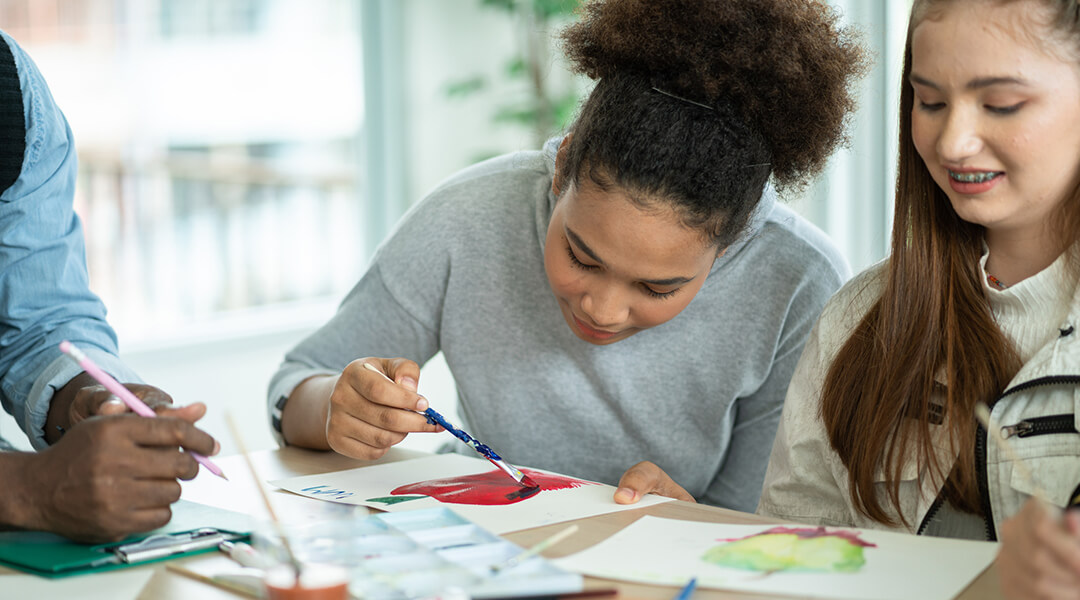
column 516, row 68
column 465, row 87
column 565, row 109
column 516, row 114
column 544, row 9
column 552, row 8
column 509, row 6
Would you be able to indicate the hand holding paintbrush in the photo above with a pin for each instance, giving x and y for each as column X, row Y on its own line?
column 1039, row 543
column 435, row 418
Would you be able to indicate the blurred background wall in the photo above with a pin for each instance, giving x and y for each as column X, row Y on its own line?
column 241, row 159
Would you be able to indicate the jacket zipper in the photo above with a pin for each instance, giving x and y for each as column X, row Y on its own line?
column 1041, row 426
column 936, row 506
column 983, row 485
column 980, row 446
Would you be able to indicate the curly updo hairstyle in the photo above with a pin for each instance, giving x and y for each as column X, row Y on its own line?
column 697, row 102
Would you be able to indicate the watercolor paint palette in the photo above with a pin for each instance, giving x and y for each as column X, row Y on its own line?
column 427, row 553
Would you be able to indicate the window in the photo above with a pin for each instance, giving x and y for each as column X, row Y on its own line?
column 853, row 201
column 219, row 149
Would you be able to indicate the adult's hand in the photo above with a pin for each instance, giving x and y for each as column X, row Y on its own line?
column 83, row 397
column 1039, row 556
column 647, row 478
column 368, row 414
column 109, row 477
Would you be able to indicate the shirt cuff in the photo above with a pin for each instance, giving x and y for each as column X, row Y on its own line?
column 55, row 376
column 281, row 388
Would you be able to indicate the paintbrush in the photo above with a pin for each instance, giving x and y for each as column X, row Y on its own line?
column 687, row 591
column 297, row 567
column 517, row 559
column 435, row 418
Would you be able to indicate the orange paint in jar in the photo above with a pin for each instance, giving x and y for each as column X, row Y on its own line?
column 316, row 582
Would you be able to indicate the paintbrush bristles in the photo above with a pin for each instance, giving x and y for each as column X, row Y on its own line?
column 982, row 413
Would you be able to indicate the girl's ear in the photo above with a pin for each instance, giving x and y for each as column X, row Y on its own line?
column 560, row 159
column 721, row 253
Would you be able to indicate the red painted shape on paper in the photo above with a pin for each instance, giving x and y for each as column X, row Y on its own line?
column 488, row 489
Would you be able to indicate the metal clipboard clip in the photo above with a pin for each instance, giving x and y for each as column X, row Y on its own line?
column 169, row 544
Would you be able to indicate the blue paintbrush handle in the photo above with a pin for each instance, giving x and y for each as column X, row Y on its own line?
column 687, row 591
column 435, row 418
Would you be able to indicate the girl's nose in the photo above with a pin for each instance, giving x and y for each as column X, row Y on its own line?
column 960, row 138
column 605, row 306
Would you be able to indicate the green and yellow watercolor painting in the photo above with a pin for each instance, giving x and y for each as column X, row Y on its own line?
column 806, row 549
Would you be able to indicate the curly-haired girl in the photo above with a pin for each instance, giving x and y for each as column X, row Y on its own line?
column 558, row 283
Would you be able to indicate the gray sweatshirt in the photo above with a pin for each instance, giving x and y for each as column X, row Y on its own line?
column 699, row 395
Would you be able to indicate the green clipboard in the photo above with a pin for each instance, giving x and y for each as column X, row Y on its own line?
column 194, row 528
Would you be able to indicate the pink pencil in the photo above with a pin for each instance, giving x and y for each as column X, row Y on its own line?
column 131, row 400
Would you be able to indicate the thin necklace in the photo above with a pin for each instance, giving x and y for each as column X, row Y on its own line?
column 995, row 282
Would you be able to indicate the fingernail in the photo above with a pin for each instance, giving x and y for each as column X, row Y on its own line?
column 625, row 494
column 217, row 448
column 422, row 404
column 409, row 382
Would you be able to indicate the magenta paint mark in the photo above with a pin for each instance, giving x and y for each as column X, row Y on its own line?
column 805, row 533
column 488, row 489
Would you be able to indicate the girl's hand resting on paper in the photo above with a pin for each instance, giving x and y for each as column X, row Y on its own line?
column 369, row 413
column 1039, row 555
column 647, row 478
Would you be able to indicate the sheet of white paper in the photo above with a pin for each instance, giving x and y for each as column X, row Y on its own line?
column 359, row 486
column 669, row 552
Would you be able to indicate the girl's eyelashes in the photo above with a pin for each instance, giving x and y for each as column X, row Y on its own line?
column 660, row 295
column 1005, row 110
column 577, row 263
column 648, row 290
column 998, row 110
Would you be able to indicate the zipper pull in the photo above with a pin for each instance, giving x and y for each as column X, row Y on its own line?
column 1020, row 429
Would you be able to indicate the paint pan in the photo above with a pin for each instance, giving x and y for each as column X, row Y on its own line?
column 452, row 537
column 409, row 521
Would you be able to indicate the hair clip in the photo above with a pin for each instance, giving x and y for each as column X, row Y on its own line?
column 686, row 100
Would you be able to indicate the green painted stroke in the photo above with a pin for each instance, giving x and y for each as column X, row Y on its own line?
column 388, row 500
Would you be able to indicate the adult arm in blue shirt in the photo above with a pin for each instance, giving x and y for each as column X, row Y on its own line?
column 108, row 473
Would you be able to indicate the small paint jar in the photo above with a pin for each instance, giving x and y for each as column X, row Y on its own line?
column 316, row 582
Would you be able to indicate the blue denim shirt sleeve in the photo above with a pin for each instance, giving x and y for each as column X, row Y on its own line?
column 44, row 288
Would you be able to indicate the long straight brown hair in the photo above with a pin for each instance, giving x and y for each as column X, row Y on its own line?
column 931, row 319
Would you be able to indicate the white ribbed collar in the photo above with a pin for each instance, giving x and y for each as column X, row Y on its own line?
column 1031, row 311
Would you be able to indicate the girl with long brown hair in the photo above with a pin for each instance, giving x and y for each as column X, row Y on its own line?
column 977, row 303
